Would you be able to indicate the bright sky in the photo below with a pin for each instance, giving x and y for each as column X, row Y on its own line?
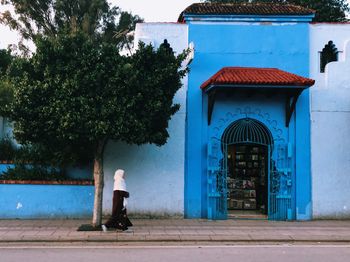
column 150, row 10
column 155, row 10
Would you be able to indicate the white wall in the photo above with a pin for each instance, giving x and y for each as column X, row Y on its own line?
column 154, row 175
column 330, row 128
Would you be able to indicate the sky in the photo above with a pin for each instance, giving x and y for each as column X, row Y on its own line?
column 150, row 10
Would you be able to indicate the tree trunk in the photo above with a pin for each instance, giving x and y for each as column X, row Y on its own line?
column 99, row 180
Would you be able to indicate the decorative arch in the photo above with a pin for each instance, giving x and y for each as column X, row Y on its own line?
column 252, row 126
column 247, row 130
column 247, row 112
column 328, row 54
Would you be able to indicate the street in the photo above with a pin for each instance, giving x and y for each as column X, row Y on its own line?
column 155, row 253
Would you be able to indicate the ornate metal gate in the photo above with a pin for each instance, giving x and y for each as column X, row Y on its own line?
column 280, row 184
column 217, row 175
column 280, row 178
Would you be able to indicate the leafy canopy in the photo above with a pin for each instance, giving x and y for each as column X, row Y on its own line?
column 76, row 92
column 95, row 18
column 326, row 10
column 6, row 93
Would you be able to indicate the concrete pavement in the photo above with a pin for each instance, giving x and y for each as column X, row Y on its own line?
column 179, row 230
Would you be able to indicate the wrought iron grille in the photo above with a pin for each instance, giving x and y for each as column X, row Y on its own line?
column 247, row 130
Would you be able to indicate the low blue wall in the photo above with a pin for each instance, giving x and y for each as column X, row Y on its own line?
column 4, row 167
column 45, row 201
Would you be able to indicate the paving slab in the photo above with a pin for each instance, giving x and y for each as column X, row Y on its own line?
column 232, row 238
column 195, row 238
column 173, row 230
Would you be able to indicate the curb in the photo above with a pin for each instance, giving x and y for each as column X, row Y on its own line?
column 172, row 240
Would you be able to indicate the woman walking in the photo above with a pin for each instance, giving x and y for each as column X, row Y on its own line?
column 119, row 218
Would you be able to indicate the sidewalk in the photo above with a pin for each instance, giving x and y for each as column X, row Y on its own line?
column 177, row 230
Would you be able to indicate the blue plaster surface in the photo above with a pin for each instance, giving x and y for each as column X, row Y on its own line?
column 45, row 201
column 4, row 167
column 80, row 172
column 269, row 111
column 303, row 158
column 283, row 46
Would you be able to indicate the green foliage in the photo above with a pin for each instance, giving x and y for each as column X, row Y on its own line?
column 95, row 18
column 6, row 92
column 6, row 96
column 5, row 61
column 127, row 24
column 29, row 172
column 76, row 92
column 7, row 150
column 154, row 77
column 73, row 94
column 326, row 10
column 37, row 154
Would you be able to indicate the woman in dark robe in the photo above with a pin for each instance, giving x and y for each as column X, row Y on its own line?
column 119, row 218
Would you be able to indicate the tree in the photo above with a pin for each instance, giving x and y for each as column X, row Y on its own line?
column 75, row 91
column 6, row 93
column 96, row 18
column 326, row 10
column 51, row 25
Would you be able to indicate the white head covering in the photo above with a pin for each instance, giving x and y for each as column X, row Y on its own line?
column 119, row 182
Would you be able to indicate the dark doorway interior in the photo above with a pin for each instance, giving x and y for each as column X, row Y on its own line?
column 247, row 181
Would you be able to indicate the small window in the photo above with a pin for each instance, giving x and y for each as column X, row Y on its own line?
column 329, row 54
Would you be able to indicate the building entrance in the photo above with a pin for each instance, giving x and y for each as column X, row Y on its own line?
column 246, row 145
column 247, row 180
column 250, row 174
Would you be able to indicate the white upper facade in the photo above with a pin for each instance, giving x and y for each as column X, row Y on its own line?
column 330, row 122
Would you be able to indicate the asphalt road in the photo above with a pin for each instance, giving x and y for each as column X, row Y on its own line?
column 268, row 253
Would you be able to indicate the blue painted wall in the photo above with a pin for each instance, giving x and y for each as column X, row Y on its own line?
column 46, row 201
column 303, row 158
column 267, row 110
column 5, row 167
column 284, row 46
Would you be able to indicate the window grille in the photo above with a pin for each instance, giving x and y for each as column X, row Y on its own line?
column 329, row 54
column 247, row 130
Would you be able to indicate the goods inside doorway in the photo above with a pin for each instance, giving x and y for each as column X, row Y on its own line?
column 247, row 181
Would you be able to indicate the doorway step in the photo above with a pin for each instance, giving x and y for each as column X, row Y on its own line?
column 246, row 214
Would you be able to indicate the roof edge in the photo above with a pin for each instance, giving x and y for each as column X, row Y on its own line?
column 247, row 18
column 211, row 82
column 251, row 9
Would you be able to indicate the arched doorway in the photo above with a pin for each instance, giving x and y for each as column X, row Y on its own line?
column 246, row 146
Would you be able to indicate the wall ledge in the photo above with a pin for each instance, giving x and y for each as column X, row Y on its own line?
column 43, row 182
column 6, row 162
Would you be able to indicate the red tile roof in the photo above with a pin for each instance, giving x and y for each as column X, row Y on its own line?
column 244, row 9
column 256, row 76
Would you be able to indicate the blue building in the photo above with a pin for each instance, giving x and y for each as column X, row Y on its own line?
column 248, row 118
column 255, row 136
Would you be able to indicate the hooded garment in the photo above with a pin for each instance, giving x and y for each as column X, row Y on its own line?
column 119, row 182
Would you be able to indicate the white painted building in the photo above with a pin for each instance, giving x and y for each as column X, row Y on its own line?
column 330, row 128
